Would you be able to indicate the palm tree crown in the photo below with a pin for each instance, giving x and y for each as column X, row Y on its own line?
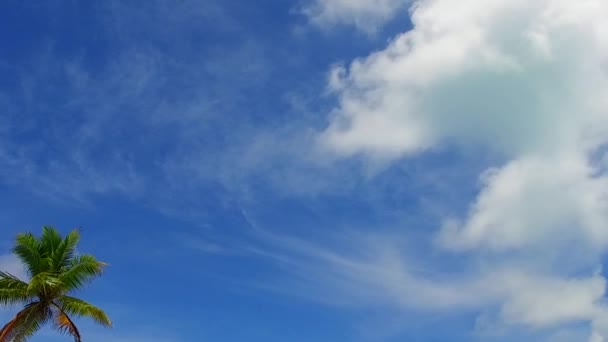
column 55, row 270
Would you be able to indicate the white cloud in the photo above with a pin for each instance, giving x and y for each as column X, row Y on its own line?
column 366, row 15
column 533, row 201
column 515, row 75
column 11, row 264
column 541, row 301
column 525, row 80
column 376, row 272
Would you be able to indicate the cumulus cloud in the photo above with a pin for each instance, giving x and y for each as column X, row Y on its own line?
column 516, row 75
column 525, row 80
column 533, row 200
column 366, row 15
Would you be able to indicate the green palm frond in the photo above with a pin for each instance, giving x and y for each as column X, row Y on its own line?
column 82, row 269
column 13, row 296
column 44, row 284
column 28, row 249
column 64, row 253
column 9, row 281
column 12, row 289
column 50, row 239
column 80, row 308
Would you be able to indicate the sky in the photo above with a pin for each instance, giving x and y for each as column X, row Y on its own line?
column 315, row 170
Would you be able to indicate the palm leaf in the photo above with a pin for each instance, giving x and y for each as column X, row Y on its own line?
column 50, row 239
column 12, row 289
column 80, row 308
column 82, row 269
column 9, row 281
column 64, row 324
column 28, row 249
column 27, row 322
column 13, row 296
column 9, row 331
column 64, row 253
column 44, row 284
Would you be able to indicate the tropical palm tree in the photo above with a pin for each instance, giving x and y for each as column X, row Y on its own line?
column 55, row 269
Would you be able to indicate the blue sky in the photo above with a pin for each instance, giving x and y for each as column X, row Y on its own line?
column 316, row 170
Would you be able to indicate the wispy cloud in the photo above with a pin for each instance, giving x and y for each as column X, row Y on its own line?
column 365, row 15
column 11, row 264
column 379, row 273
column 73, row 131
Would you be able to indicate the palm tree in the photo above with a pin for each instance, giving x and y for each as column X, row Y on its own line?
column 55, row 269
